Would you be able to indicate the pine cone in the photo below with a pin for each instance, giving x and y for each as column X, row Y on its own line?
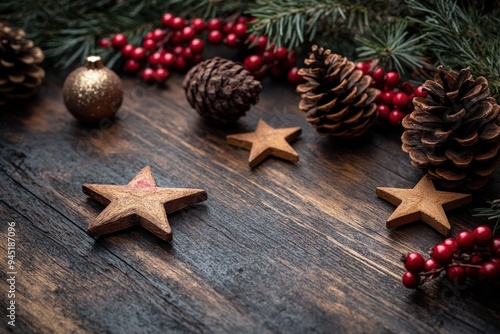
column 336, row 96
column 454, row 132
column 221, row 90
column 20, row 74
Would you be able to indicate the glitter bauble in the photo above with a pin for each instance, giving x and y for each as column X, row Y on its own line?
column 93, row 92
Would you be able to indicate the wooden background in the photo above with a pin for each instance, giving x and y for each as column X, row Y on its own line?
column 290, row 248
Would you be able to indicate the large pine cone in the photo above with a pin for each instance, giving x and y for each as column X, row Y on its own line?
column 454, row 132
column 336, row 96
column 221, row 90
column 20, row 74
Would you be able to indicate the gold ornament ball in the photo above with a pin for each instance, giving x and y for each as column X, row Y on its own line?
column 93, row 92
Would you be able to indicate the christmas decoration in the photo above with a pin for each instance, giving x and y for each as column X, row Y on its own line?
column 492, row 212
column 423, row 202
column 93, row 92
column 336, row 96
column 267, row 141
column 474, row 255
column 453, row 133
column 221, row 90
column 20, row 72
column 139, row 202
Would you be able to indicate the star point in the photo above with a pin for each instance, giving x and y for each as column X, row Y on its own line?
column 266, row 141
column 423, row 202
column 140, row 202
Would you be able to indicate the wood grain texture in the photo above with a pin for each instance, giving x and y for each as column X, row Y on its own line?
column 282, row 248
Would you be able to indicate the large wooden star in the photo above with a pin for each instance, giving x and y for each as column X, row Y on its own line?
column 424, row 203
column 139, row 202
column 267, row 141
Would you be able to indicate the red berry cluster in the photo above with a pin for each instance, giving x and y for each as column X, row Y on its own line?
column 395, row 99
column 176, row 46
column 470, row 254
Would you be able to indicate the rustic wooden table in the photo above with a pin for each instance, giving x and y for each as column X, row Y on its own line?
column 291, row 248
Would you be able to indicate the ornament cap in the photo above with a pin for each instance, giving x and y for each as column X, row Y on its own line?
column 93, row 62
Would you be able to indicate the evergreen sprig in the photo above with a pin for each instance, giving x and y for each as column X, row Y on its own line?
column 393, row 48
column 493, row 212
column 462, row 34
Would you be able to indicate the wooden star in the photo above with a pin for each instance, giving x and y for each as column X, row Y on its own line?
column 267, row 141
column 424, row 203
column 139, row 202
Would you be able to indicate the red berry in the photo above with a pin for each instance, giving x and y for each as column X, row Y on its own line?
column 253, row 63
column 407, row 88
column 157, row 34
column 197, row 45
column 215, row 37
column 149, row 35
column 400, row 99
column 383, row 111
column 431, row 265
column 168, row 60
column 291, row 61
column 364, row 67
column 180, row 63
column 138, row 53
column 187, row 53
column 414, row 262
column 119, row 41
column 132, row 65
column 198, row 25
column 188, row 33
column 104, row 43
column 281, row 54
column 386, row 96
column 177, row 50
column 392, row 79
column 154, row 59
column 127, row 50
column 396, row 117
column 378, row 74
column 240, row 29
column 419, row 92
column 177, row 23
column 232, row 40
column 471, row 271
column 268, row 56
column 294, row 77
column 149, row 44
column 228, row 27
column 242, row 19
column 466, row 241
column 262, row 43
column 197, row 59
column 177, row 37
column 147, row 74
column 483, row 235
column 489, row 272
column 456, row 275
column 214, row 24
column 495, row 247
column 451, row 243
column 166, row 19
column 160, row 75
column 277, row 72
column 442, row 254
column 411, row 280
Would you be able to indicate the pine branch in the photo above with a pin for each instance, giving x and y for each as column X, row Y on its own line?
column 493, row 212
column 462, row 34
column 291, row 23
column 392, row 47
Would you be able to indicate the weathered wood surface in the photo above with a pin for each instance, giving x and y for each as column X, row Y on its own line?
column 290, row 248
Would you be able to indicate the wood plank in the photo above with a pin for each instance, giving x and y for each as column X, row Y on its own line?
column 282, row 248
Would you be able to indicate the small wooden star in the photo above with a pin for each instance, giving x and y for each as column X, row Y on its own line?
column 424, row 203
column 267, row 141
column 139, row 202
